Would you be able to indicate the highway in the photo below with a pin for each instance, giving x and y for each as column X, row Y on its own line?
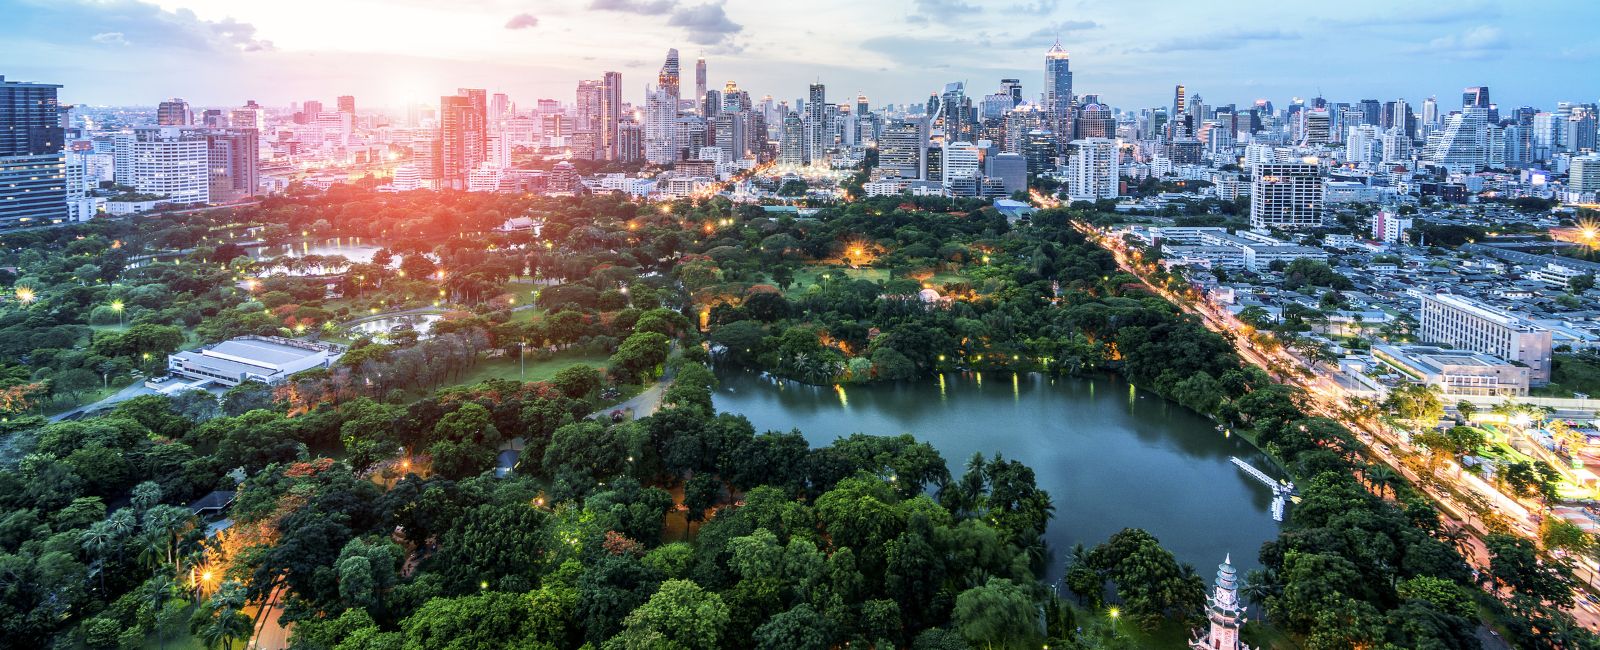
column 1378, row 441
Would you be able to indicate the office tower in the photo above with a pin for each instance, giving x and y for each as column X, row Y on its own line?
column 346, row 104
column 902, row 149
column 1092, row 171
column 233, row 158
column 309, row 111
column 249, row 116
column 172, row 162
column 1286, row 195
column 960, row 161
column 1013, row 89
column 586, row 110
column 213, row 118
column 667, row 79
column 1475, row 97
column 660, row 127
column 406, row 178
column 861, row 104
column 699, row 81
column 1396, row 148
column 1580, row 133
column 1058, row 88
column 792, row 145
column 630, row 141
column 692, row 136
column 1462, row 145
column 1371, row 111
column 1318, row 127
column 1361, row 144
column 1179, row 124
column 427, row 157
column 731, row 136
column 1583, row 176
column 459, row 128
column 817, row 139
column 1472, row 325
column 1039, row 148
column 1430, row 114
column 33, row 165
column 1095, row 121
column 607, row 146
column 499, row 108
column 478, row 146
column 1011, row 169
column 174, row 112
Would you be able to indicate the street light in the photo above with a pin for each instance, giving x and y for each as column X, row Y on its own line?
column 116, row 306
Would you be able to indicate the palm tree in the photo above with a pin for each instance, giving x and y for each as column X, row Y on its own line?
column 1456, row 536
column 1259, row 584
column 221, row 621
column 1382, row 479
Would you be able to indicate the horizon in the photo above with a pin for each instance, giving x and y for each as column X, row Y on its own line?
column 128, row 52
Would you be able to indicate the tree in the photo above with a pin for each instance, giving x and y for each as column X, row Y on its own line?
column 1415, row 404
column 576, row 381
column 221, row 621
column 998, row 614
column 638, row 357
column 799, row 628
column 680, row 614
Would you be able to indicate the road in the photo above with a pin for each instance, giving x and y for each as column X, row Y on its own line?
column 1325, row 403
column 132, row 390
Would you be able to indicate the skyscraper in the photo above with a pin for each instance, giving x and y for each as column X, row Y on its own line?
column 1475, row 97
column 660, row 127
column 902, row 149
column 1178, row 124
column 174, row 112
column 817, row 126
column 1057, row 87
column 233, row 162
column 667, row 80
column 792, row 146
column 33, row 165
column 172, row 162
column 607, row 146
column 478, row 147
column 347, row 104
column 699, row 81
column 1093, row 169
column 461, row 128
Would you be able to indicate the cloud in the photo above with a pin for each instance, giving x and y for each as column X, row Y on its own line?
column 1227, row 40
column 110, row 38
column 1475, row 43
column 945, row 8
column 1041, row 7
column 129, row 22
column 646, row 7
column 522, row 21
column 1064, row 27
column 707, row 24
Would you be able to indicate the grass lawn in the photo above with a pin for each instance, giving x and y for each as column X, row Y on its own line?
column 537, row 370
column 1570, row 374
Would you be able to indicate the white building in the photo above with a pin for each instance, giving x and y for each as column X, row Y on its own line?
column 960, row 162
column 406, row 179
column 1468, row 324
column 170, row 162
column 269, row 360
column 1390, row 228
column 660, row 127
column 1286, row 196
column 1092, row 171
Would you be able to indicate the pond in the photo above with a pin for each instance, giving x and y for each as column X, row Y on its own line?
column 382, row 327
column 355, row 249
column 1110, row 455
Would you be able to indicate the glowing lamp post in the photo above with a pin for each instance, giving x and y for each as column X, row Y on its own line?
column 116, row 306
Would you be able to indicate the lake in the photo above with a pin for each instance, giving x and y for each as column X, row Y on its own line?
column 1110, row 455
column 354, row 249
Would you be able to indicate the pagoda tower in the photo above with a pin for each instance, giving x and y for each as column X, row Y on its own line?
column 1225, row 613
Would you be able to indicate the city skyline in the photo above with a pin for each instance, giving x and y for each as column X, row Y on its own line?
column 117, row 52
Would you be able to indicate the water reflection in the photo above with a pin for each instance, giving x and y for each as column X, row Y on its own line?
column 1107, row 463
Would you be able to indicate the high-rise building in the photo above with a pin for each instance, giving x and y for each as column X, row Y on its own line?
column 1095, row 121
column 1092, row 171
column 477, row 147
column 1013, row 89
column 660, row 127
column 902, row 149
column 347, row 104
column 249, row 116
column 460, row 129
column 586, row 109
column 233, row 158
column 1471, row 325
column 1179, row 124
column 499, row 109
column 667, row 79
column 1475, row 97
column 792, row 144
column 1011, row 169
column 1584, row 175
column 33, row 176
column 1058, row 88
column 174, row 112
column 309, row 112
column 1462, row 145
column 1318, row 127
column 960, row 162
column 699, row 81
column 172, row 162
column 817, row 124
column 1286, row 195
column 607, row 145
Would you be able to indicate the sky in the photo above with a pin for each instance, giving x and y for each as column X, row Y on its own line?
column 1130, row 52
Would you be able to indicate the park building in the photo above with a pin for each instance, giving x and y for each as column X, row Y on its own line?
column 270, row 360
column 1455, row 372
column 1467, row 324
